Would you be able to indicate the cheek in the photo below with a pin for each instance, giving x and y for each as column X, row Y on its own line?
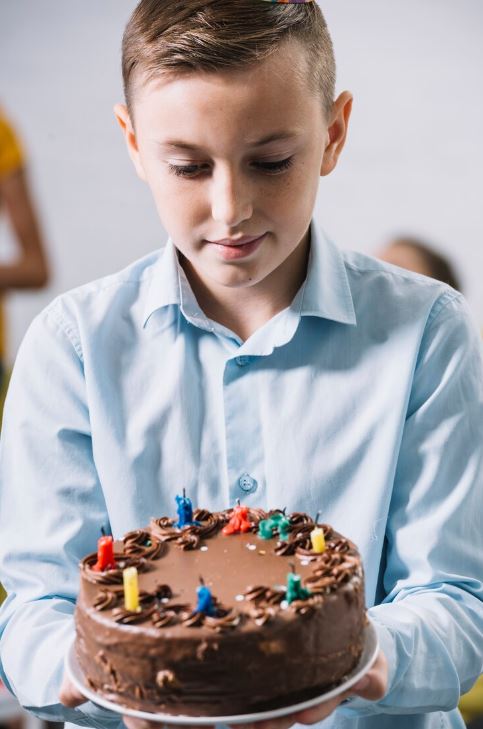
column 175, row 200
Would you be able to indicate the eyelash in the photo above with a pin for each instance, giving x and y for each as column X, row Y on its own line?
column 268, row 167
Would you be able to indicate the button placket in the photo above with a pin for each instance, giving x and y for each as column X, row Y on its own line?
column 244, row 456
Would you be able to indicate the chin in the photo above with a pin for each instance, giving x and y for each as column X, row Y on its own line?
column 237, row 278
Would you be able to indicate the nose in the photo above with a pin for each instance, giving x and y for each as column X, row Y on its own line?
column 231, row 202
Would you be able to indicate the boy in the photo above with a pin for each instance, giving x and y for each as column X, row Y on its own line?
column 250, row 359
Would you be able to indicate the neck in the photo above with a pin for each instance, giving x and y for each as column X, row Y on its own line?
column 246, row 309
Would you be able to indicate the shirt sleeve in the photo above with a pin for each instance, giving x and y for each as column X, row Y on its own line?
column 430, row 624
column 51, row 511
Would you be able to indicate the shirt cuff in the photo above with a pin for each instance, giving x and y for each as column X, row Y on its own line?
column 357, row 706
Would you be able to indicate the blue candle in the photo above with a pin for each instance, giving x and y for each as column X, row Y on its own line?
column 205, row 600
column 185, row 511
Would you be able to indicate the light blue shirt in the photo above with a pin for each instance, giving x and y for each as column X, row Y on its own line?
column 362, row 400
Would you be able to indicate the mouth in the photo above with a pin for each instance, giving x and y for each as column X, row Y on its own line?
column 234, row 249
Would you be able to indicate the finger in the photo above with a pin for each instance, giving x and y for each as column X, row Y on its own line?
column 373, row 685
column 317, row 713
column 285, row 722
column 185, row 726
column 69, row 695
column 132, row 723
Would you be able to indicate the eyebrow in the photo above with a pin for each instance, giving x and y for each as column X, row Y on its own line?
column 274, row 137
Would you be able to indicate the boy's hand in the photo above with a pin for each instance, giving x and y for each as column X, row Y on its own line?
column 69, row 695
column 132, row 723
column 372, row 686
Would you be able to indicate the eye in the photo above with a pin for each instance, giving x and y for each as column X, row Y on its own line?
column 274, row 167
column 184, row 170
column 270, row 168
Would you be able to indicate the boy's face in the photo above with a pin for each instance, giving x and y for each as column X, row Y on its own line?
column 197, row 143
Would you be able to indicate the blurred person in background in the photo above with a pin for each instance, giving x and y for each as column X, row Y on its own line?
column 415, row 255
column 28, row 271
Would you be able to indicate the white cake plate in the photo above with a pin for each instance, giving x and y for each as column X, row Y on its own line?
column 369, row 654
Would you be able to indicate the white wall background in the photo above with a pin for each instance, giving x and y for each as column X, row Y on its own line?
column 413, row 161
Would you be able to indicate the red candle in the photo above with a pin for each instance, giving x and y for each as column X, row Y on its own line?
column 105, row 555
column 238, row 521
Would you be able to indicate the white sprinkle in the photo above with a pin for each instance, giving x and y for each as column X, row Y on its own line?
column 284, row 604
column 251, row 547
column 239, row 598
column 205, row 549
column 281, row 588
column 303, row 561
column 165, row 599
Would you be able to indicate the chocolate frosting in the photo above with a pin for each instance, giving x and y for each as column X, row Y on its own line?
column 256, row 651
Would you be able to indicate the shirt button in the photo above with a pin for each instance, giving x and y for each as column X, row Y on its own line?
column 242, row 361
column 247, row 483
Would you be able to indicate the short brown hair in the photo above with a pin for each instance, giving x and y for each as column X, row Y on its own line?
column 215, row 35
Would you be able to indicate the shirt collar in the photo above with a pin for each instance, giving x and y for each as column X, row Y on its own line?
column 326, row 290
column 164, row 288
column 325, row 293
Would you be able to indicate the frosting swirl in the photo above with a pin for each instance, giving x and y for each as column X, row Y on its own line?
column 140, row 543
column 111, row 577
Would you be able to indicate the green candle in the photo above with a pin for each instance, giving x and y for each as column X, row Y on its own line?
column 265, row 529
column 284, row 528
column 295, row 591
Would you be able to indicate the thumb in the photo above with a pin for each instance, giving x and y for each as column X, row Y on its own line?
column 371, row 687
column 69, row 695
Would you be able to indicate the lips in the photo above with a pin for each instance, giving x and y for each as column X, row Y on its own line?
column 231, row 250
column 237, row 241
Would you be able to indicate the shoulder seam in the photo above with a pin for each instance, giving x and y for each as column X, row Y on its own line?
column 446, row 298
column 86, row 287
column 67, row 329
column 397, row 274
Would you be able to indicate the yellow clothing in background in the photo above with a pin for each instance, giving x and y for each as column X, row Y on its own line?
column 11, row 159
column 471, row 704
column 11, row 153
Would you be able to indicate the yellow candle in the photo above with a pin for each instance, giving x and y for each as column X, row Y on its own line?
column 131, row 589
column 318, row 540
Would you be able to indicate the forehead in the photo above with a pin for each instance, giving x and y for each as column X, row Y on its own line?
column 251, row 104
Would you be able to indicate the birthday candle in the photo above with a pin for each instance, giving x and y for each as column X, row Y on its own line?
column 265, row 529
column 185, row 511
column 239, row 521
column 205, row 602
column 318, row 540
column 131, row 589
column 105, row 554
column 295, row 591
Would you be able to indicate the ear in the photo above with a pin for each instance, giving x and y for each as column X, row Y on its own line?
column 336, row 132
column 122, row 115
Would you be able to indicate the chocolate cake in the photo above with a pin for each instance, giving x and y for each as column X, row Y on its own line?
column 228, row 621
